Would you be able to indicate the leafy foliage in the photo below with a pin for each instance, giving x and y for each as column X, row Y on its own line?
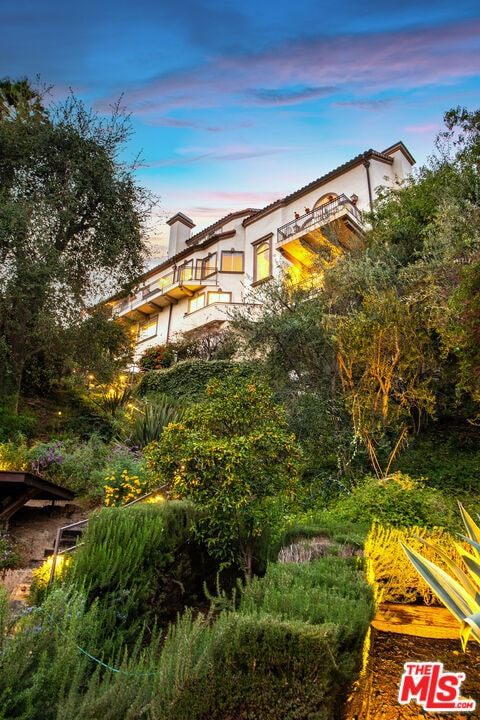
column 233, row 456
column 457, row 589
column 150, row 417
column 141, row 563
column 390, row 574
column 9, row 555
column 156, row 358
column 70, row 214
column 396, row 500
column 187, row 380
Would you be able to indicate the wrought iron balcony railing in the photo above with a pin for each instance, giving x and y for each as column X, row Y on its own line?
column 321, row 215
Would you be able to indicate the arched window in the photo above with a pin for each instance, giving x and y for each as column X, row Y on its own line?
column 327, row 198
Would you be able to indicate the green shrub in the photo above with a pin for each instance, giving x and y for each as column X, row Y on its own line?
column 278, row 656
column 188, row 380
column 156, row 358
column 41, row 661
column 448, row 460
column 14, row 455
column 141, row 562
column 233, row 456
column 263, row 669
column 12, row 424
column 290, row 651
column 321, row 591
column 9, row 555
column 398, row 501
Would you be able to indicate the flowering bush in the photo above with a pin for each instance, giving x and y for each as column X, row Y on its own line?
column 45, row 458
column 157, row 358
column 9, row 555
column 122, row 488
column 13, row 455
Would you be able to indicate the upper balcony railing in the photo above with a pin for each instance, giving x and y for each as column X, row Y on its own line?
column 318, row 217
column 183, row 275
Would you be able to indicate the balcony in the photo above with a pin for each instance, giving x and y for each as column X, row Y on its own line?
column 322, row 234
column 180, row 282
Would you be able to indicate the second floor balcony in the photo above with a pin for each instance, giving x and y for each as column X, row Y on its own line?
column 321, row 234
column 179, row 282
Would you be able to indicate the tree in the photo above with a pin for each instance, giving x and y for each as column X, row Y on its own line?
column 233, row 456
column 287, row 327
column 387, row 337
column 387, row 362
column 71, row 218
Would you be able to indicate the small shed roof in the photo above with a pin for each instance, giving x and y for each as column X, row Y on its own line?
column 17, row 488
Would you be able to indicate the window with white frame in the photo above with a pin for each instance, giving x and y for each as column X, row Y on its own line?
column 217, row 296
column 232, row 261
column 147, row 329
column 196, row 303
column 262, row 259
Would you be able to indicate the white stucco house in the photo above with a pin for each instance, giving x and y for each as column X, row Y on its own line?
column 206, row 273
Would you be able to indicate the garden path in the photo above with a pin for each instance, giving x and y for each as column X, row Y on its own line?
column 35, row 527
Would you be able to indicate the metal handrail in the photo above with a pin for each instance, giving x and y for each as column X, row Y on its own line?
column 318, row 215
column 181, row 275
column 57, row 552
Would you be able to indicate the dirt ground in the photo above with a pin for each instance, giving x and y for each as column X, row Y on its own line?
column 35, row 527
column 376, row 696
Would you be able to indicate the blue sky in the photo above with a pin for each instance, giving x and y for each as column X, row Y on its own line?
column 237, row 104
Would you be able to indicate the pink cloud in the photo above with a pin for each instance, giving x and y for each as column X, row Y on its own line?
column 227, row 153
column 369, row 105
column 301, row 71
column 428, row 128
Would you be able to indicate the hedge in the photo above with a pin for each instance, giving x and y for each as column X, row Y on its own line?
column 187, row 380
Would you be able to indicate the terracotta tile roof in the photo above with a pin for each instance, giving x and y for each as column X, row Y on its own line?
column 385, row 156
column 219, row 223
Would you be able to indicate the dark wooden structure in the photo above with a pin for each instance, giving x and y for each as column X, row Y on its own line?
column 17, row 488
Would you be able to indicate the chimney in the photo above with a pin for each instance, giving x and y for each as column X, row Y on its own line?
column 180, row 226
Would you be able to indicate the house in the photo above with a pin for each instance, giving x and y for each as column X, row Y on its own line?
column 208, row 272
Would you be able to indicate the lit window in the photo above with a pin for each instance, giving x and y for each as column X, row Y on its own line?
column 219, row 297
column 147, row 329
column 232, row 261
column 262, row 260
column 185, row 273
column 166, row 281
column 207, row 266
column 195, row 303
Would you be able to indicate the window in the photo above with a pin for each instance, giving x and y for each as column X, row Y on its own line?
column 262, row 268
column 195, row 303
column 232, row 261
column 185, row 272
column 207, row 266
column 166, row 281
column 219, row 297
column 147, row 329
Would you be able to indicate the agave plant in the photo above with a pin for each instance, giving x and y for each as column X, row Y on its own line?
column 458, row 590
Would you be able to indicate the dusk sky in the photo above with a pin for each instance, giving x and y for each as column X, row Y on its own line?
column 236, row 104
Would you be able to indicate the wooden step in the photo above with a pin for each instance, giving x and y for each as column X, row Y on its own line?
column 429, row 621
